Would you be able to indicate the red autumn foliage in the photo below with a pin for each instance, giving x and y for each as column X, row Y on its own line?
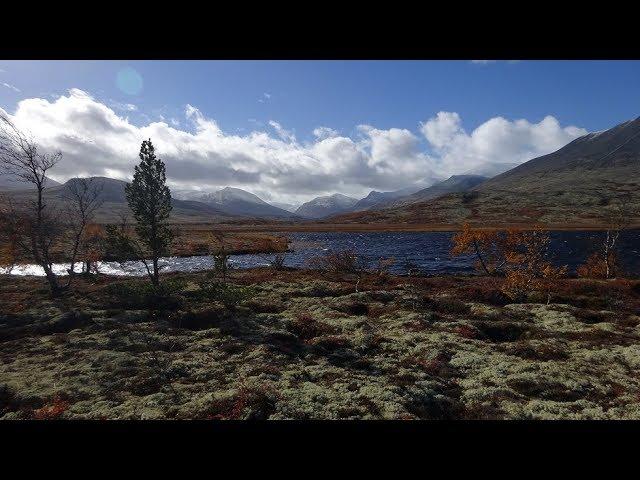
column 53, row 411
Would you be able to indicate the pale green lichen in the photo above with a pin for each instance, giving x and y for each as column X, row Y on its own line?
column 384, row 355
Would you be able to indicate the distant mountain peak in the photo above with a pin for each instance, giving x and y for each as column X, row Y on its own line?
column 326, row 205
column 236, row 201
column 573, row 186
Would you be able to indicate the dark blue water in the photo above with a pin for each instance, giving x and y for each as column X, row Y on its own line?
column 429, row 252
column 425, row 252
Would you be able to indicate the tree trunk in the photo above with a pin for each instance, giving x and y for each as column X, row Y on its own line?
column 55, row 288
column 606, row 256
column 484, row 267
column 155, row 279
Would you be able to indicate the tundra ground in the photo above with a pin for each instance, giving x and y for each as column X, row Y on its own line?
column 300, row 344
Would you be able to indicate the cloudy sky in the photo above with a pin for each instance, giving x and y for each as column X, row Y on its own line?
column 290, row 131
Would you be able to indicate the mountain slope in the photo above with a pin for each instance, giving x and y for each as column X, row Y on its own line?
column 575, row 186
column 375, row 199
column 491, row 169
column 11, row 182
column 455, row 183
column 321, row 207
column 235, row 201
column 115, row 203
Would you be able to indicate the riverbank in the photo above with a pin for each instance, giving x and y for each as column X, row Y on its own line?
column 209, row 239
column 300, row 344
column 189, row 241
column 382, row 227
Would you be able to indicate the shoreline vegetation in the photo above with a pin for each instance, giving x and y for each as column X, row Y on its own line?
column 391, row 227
column 278, row 343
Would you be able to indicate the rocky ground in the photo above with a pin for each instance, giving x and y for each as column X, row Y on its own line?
column 303, row 345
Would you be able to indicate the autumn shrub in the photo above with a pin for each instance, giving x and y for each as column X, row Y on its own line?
column 381, row 270
column 330, row 343
column 354, row 308
column 487, row 246
column 8, row 400
column 447, row 305
column 220, row 254
column 93, row 246
column 595, row 267
column 528, row 267
column 340, row 262
column 306, row 327
column 265, row 305
column 278, row 262
column 228, row 294
column 485, row 291
column 466, row 331
column 249, row 403
column 137, row 294
column 8, row 251
column 52, row 411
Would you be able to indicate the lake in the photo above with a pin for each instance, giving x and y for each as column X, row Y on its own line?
column 428, row 252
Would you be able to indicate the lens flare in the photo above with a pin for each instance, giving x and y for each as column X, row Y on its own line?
column 129, row 81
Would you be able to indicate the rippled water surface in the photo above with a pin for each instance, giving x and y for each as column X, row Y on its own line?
column 426, row 251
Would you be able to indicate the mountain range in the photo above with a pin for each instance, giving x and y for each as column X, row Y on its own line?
column 238, row 202
column 11, row 182
column 576, row 186
column 325, row 206
column 114, row 202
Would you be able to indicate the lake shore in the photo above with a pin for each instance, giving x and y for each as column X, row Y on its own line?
column 302, row 344
column 379, row 227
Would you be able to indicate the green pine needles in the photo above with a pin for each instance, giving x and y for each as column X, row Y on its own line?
column 149, row 199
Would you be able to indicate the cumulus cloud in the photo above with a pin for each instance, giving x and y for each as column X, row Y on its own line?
column 497, row 140
column 272, row 163
column 324, row 132
column 125, row 107
column 284, row 134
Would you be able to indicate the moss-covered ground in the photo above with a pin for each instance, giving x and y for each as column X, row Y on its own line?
column 268, row 344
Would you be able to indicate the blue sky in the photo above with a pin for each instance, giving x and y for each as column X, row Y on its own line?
column 244, row 96
column 591, row 94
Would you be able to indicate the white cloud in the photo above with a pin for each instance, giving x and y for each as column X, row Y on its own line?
column 95, row 140
column 11, row 87
column 497, row 140
column 284, row 134
column 324, row 132
column 124, row 107
column 265, row 98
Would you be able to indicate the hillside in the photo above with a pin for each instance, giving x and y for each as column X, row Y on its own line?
column 375, row 199
column 238, row 202
column 321, row 207
column 456, row 183
column 114, row 203
column 577, row 185
column 10, row 182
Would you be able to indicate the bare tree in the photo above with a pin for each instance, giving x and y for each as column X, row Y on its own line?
column 619, row 219
column 83, row 196
column 34, row 225
column 219, row 253
column 603, row 261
